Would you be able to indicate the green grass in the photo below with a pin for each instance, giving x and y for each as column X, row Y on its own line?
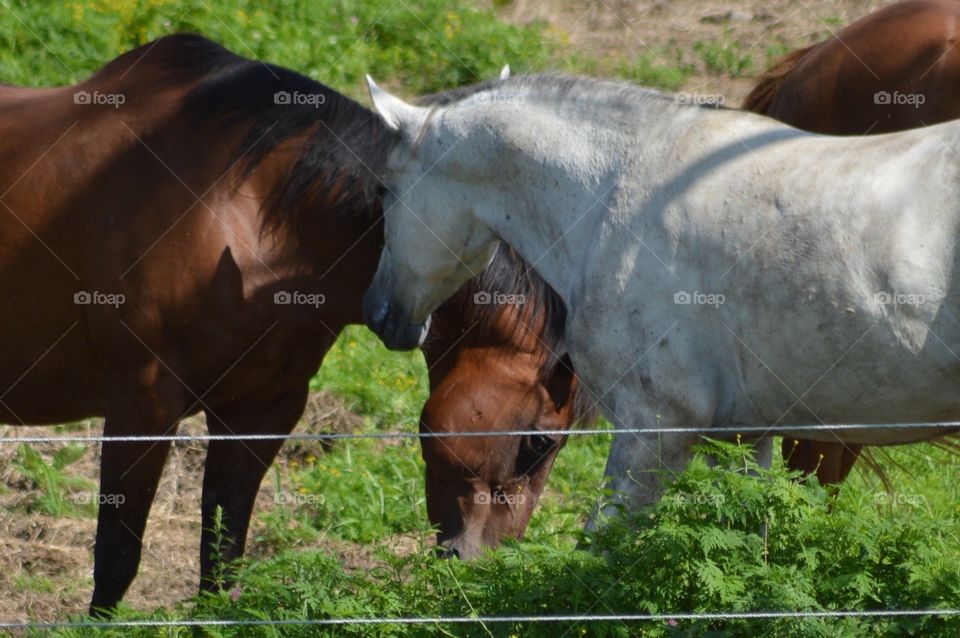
column 364, row 491
column 663, row 70
column 776, row 51
column 430, row 44
column 725, row 58
column 38, row 583
column 58, row 491
column 389, row 388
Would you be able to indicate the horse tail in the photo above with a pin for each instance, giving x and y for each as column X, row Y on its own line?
column 761, row 97
column 877, row 459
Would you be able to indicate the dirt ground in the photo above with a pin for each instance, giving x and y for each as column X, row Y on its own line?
column 628, row 29
column 46, row 562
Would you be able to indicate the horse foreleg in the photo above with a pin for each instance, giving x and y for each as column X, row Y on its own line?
column 232, row 476
column 832, row 462
column 640, row 465
column 129, row 473
column 763, row 452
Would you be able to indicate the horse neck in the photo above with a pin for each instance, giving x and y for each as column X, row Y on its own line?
column 558, row 174
column 336, row 245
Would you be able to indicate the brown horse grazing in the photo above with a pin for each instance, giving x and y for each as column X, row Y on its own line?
column 190, row 230
column 483, row 489
column 895, row 69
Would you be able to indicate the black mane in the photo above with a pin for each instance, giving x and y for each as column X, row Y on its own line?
column 342, row 145
column 509, row 274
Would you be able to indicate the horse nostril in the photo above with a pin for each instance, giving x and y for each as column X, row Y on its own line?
column 375, row 312
column 447, row 553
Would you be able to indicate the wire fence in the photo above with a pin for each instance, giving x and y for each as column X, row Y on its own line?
column 465, row 620
column 946, row 427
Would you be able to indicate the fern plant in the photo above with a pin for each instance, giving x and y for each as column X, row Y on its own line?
column 59, row 492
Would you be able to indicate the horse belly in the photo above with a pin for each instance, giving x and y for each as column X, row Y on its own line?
column 49, row 370
column 49, row 377
column 802, row 368
column 841, row 309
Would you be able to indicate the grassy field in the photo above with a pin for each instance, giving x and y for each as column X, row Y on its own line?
column 729, row 537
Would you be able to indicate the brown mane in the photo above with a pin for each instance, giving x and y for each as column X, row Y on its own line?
column 763, row 93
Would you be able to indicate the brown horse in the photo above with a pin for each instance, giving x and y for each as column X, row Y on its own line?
column 895, row 69
column 483, row 489
column 190, row 230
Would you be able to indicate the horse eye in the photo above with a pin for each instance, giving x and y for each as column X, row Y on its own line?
column 540, row 443
column 534, row 450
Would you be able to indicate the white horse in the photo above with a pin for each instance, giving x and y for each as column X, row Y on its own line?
column 718, row 268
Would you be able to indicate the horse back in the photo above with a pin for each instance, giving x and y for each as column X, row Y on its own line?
column 856, row 82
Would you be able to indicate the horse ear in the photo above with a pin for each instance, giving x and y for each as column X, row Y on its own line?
column 505, row 72
column 395, row 112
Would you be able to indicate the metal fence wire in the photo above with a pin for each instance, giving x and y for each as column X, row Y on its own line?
column 751, row 431
column 465, row 620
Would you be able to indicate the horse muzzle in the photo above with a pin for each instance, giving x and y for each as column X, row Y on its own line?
column 388, row 322
column 457, row 549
